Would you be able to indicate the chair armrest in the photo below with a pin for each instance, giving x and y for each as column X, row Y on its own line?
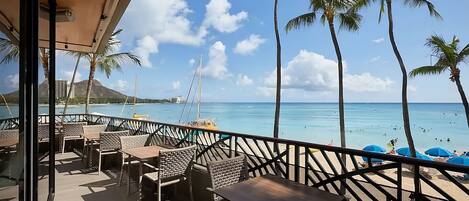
column 210, row 189
column 150, row 166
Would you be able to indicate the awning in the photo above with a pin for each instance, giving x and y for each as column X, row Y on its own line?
column 82, row 25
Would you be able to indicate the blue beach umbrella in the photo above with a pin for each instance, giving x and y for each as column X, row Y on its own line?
column 374, row 148
column 459, row 160
column 405, row 151
column 439, row 152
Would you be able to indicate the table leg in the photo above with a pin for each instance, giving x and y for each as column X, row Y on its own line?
column 140, row 175
column 128, row 176
column 90, row 153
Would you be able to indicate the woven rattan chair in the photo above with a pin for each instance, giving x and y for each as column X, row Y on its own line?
column 91, row 130
column 109, row 143
column 129, row 142
column 43, row 133
column 72, row 131
column 9, row 135
column 174, row 165
column 226, row 172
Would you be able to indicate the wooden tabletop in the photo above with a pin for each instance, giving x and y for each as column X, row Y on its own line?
column 91, row 136
column 8, row 142
column 146, row 152
column 274, row 188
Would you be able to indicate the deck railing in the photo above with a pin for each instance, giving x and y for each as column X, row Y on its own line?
column 351, row 172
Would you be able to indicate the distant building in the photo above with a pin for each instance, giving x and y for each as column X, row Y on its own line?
column 61, row 89
column 176, row 100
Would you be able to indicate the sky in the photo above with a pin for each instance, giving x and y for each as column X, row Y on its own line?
column 236, row 42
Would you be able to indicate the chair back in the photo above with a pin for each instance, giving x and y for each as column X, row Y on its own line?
column 42, row 131
column 175, row 162
column 111, row 140
column 73, row 129
column 94, row 129
column 227, row 172
column 13, row 134
column 134, row 141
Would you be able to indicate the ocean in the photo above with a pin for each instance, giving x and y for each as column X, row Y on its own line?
column 432, row 124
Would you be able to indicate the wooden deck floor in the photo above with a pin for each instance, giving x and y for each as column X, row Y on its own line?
column 74, row 182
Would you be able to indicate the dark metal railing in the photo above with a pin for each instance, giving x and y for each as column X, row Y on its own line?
column 321, row 166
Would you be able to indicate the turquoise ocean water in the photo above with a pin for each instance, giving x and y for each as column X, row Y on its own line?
column 366, row 123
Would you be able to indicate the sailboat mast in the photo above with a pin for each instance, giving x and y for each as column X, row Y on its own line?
column 200, row 88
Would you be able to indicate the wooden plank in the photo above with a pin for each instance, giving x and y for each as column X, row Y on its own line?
column 274, row 188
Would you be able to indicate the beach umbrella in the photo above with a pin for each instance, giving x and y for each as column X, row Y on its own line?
column 423, row 156
column 438, row 152
column 374, row 148
column 459, row 160
column 467, row 153
column 405, row 151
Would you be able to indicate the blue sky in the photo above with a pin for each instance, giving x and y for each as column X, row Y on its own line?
column 237, row 44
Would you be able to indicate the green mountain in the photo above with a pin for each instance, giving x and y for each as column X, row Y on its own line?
column 99, row 94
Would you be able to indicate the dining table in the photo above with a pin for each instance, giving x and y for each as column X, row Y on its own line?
column 142, row 154
column 274, row 188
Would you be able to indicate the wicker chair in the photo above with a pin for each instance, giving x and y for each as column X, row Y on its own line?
column 43, row 133
column 129, row 142
column 91, row 130
column 72, row 131
column 174, row 165
column 226, row 172
column 9, row 135
column 109, row 143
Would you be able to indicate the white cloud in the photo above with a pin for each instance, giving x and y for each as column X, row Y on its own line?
column 249, row 45
column 167, row 21
column 374, row 59
column 67, row 75
column 412, row 88
column 313, row 72
column 121, row 85
column 378, row 40
column 366, row 83
column 13, row 81
column 191, row 62
column 218, row 17
column 243, row 80
column 146, row 46
column 216, row 65
column 266, row 91
column 176, row 85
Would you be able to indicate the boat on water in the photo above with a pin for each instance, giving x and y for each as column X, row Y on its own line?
column 198, row 122
column 135, row 115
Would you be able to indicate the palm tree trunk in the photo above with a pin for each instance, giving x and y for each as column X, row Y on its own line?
column 88, row 88
column 71, row 84
column 45, row 63
column 463, row 98
column 405, row 107
column 341, row 97
column 279, row 73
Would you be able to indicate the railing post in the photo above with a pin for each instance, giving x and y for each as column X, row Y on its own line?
column 399, row 182
column 417, row 189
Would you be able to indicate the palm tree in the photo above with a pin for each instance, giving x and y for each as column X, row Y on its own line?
column 11, row 53
column 405, row 108
column 449, row 56
column 279, row 72
column 330, row 10
column 107, row 61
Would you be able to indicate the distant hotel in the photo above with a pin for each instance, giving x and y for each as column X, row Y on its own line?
column 177, row 99
column 61, row 89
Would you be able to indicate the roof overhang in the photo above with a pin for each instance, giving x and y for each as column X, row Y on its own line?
column 82, row 25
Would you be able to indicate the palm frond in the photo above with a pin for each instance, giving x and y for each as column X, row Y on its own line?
column 463, row 54
column 430, row 6
column 381, row 10
column 10, row 50
column 124, row 57
column 441, row 48
column 428, row 70
column 349, row 20
column 301, row 21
